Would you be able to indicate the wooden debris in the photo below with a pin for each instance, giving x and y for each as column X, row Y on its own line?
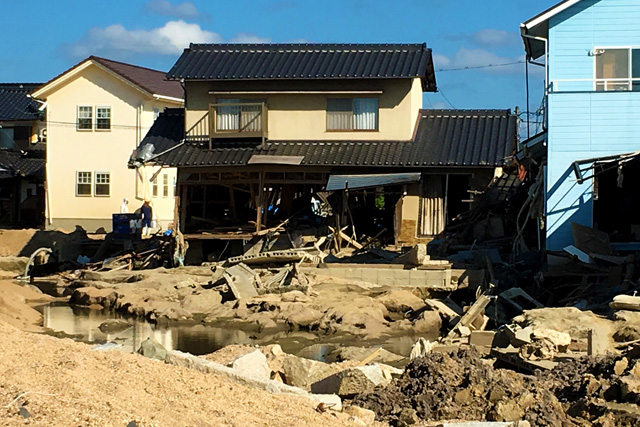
column 625, row 302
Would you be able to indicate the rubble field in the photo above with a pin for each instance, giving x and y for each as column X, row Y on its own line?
column 601, row 391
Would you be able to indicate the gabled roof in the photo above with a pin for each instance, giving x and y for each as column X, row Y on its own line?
column 451, row 138
column 151, row 82
column 228, row 62
column 538, row 26
column 15, row 105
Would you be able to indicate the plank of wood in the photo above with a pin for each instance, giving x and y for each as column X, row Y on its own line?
column 474, row 311
column 351, row 241
column 369, row 358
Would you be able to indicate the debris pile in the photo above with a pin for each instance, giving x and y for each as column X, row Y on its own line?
column 462, row 385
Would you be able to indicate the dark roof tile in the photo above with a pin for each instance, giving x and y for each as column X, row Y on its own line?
column 15, row 104
column 305, row 61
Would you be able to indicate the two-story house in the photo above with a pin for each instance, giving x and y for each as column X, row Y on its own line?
column 96, row 113
column 269, row 129
column 22, row 145
column 591, row 53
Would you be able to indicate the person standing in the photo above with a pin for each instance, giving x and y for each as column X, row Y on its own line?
column 147, row 215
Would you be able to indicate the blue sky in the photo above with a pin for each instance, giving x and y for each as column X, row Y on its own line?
column 43, row 38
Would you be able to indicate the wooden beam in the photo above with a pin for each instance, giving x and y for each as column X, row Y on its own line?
column 260, row 202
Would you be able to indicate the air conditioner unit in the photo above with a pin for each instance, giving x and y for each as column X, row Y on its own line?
column 42, row 135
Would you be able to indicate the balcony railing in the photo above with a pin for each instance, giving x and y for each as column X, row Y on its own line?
column 231, row 120
column 596, row 85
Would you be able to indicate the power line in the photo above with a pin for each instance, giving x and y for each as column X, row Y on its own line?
column 477, row 67
column 446, row 99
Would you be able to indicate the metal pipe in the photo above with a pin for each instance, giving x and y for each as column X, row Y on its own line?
column 26, row 276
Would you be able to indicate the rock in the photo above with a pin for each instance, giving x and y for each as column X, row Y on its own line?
column 389, row 372
column 560, row 339
column 401, row 301
column 301, row 372
column 627, row 333
column 106, row 298
column 13, row 264
column 464, row 331
column 620, row 366
column 635, row 371
column 202, row 302
column 152, row 349
column 429, row 322
column 630, row 388
column 295, row 296
column 299, row 315
column 113, row 325
column 506, row 410
column 416, row 256
column 273, row 350
column 363, row 414
column 518, row 336
column 252, row 364
column 351, row 382
column 407, row 417
column 341, row 354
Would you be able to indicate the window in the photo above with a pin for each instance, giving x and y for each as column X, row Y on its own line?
column 239, row 118
column 7, row 138
column 103, row 118
column 85, row 117
column 154, row 186
column 352, row 114
column 617, row 68
column 83, row 183
column 165, row 185
column 102, row 183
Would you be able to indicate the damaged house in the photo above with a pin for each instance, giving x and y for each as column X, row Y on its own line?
column 22, row 156
column 275, row 131
column 591, row 49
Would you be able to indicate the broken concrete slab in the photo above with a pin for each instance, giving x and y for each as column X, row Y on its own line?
column 365, row 415
column 241, row 281
column 416, row 256
column 444, row 309
column 560, row 339
column 252, row 364
column 482, row 338
column 625, row 302
column 351, row 382
column 476, row 309
column 178, row 358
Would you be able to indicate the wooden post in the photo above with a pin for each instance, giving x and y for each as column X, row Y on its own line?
column 183, row 209
column 260, row 202
column 176, row 214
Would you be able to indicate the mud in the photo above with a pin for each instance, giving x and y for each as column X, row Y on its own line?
column 463, row 386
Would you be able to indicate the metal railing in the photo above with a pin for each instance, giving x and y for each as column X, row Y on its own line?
column 595, row 85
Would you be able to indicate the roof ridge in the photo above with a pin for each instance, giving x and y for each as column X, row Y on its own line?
column 100, row 59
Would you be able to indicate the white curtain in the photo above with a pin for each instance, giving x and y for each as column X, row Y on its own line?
column 365, row 113
column 251, row 118
column 431, row 206
column 228, row 118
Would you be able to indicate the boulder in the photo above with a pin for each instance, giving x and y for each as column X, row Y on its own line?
column 13, row 264
column 428, row 323
column 367, row 416
column 112, row 326
column 107, row 298
column 252, row 364
column 401, row 301
column 152, row 349
column 351, row 382
column 301, row 372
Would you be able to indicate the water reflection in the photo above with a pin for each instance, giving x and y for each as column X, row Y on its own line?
column 83, row 324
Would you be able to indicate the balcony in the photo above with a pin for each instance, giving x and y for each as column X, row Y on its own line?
column 231, row 120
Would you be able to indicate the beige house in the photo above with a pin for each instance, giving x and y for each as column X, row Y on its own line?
column 271, row 128
column 96, row 114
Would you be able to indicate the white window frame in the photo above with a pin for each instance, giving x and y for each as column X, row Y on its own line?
column 96, row 183
column 98, row 108
column 353, row 115
column 89, row 183
column 165, row 185
column 154, row 186
column 630, row 80
column 78, row 128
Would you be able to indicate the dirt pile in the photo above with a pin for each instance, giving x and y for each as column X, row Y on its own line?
column 63, row 383
column 448, row 387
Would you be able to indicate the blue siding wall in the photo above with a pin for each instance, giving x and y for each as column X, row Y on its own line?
column 584, row 124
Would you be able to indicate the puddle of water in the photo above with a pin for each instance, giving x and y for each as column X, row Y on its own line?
column 82, row 324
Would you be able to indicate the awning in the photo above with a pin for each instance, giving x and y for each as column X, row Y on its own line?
column 343, row 182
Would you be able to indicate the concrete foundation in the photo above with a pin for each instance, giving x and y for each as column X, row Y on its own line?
column 435, row 277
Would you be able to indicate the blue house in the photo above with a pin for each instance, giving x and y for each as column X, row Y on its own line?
column 591, row 53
